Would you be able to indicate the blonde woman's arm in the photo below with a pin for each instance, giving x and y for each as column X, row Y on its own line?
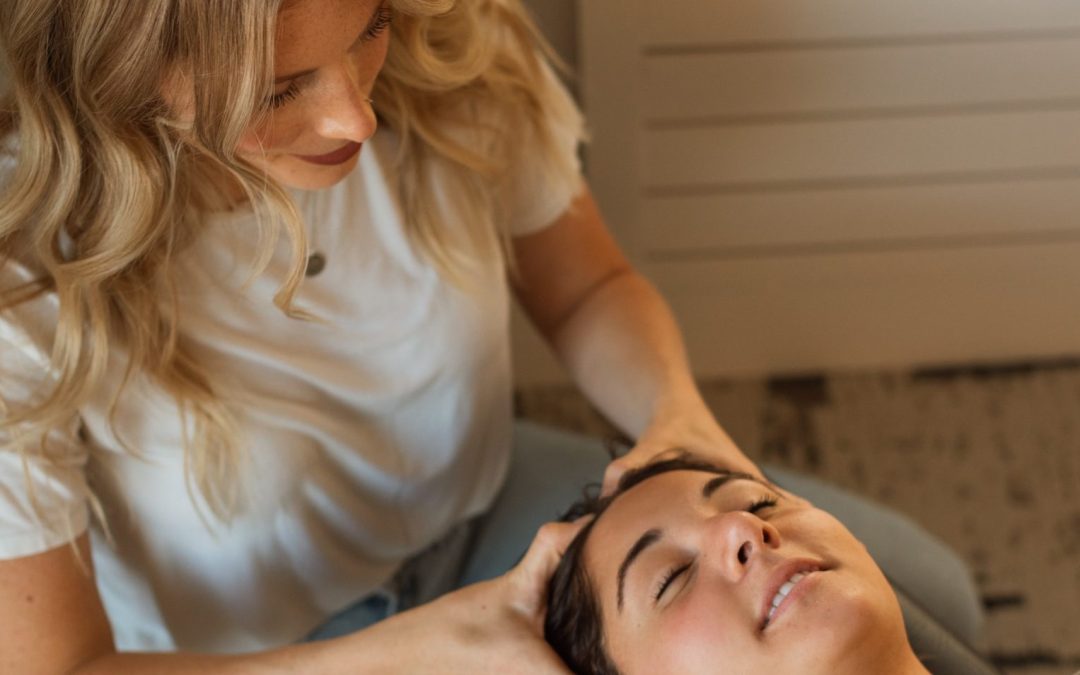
column 52, row 623
column 617, row 337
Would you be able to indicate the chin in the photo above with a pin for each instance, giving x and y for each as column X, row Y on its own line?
column 853, row 632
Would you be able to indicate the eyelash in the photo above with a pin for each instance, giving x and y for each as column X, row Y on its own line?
column 762, row 503
column 381, row 23
column 672, row 574
column 278, row 100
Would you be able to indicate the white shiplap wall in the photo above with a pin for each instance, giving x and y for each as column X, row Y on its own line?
column 842, row 183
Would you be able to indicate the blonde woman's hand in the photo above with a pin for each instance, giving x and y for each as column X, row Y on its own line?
column 493, row 627
column 698, row 435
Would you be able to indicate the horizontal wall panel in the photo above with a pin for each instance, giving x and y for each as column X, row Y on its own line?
column 876, row 310
column 841, row 183
column 757, row 222
column 816, row 151
column 726, row 22
column 694, row 86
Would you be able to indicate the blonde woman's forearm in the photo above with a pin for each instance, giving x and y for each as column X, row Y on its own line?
column 624, row 349
column 626, row 352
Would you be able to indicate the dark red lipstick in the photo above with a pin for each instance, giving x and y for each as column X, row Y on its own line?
column 339, row 156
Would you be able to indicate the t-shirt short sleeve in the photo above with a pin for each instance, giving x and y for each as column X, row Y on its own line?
column 43, row 489
column 541, row 185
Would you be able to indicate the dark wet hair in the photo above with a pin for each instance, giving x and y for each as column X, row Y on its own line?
column 573, row 625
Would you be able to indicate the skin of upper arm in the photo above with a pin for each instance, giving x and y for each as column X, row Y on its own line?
column 562, row 264
column 51, row 617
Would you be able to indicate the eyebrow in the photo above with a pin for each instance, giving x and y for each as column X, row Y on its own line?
column 644, row 541
column 367, row 27
column 716, row 483
column 655, row 535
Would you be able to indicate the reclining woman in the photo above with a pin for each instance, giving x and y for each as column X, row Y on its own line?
column 690, row 568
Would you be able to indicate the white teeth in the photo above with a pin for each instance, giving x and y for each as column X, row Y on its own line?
column 784, row 590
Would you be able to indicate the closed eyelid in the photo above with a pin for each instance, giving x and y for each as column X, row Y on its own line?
column 741, row 493
column 646, row 540
column 732, row 478
column 382, row 18
column 675, row 573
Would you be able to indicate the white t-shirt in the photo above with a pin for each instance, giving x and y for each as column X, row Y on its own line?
column 372, row 432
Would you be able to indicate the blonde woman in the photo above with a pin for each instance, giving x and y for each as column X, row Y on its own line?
column 255, row 263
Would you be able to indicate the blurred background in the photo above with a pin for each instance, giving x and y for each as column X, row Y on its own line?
column 866, row 217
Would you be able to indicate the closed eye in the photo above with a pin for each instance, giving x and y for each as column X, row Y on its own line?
column 278, row 100
column 672, row 574
column 382, row 22
column 761, row 504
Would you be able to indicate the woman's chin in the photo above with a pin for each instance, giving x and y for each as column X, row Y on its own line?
column 850, row 630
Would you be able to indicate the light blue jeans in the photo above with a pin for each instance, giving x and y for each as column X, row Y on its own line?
column 550, row 468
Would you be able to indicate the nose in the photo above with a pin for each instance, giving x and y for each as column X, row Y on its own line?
column 735, row 539
column 344, row 111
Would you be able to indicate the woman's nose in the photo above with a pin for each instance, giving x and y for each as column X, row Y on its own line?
column 736, row 538
column 344, row 111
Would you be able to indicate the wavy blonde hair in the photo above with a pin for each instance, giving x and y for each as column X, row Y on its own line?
column 104, row 164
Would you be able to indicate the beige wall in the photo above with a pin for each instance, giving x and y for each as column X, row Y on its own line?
column 843, row 183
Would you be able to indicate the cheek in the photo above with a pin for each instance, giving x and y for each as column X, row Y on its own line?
column 270, row 136
column 703, row 632
column 380, row 59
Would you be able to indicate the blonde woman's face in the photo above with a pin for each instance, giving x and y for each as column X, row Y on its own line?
column 328, row 54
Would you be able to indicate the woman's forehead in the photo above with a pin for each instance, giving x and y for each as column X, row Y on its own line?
column 664, row 495
column 312, row 32
column 299, row 21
